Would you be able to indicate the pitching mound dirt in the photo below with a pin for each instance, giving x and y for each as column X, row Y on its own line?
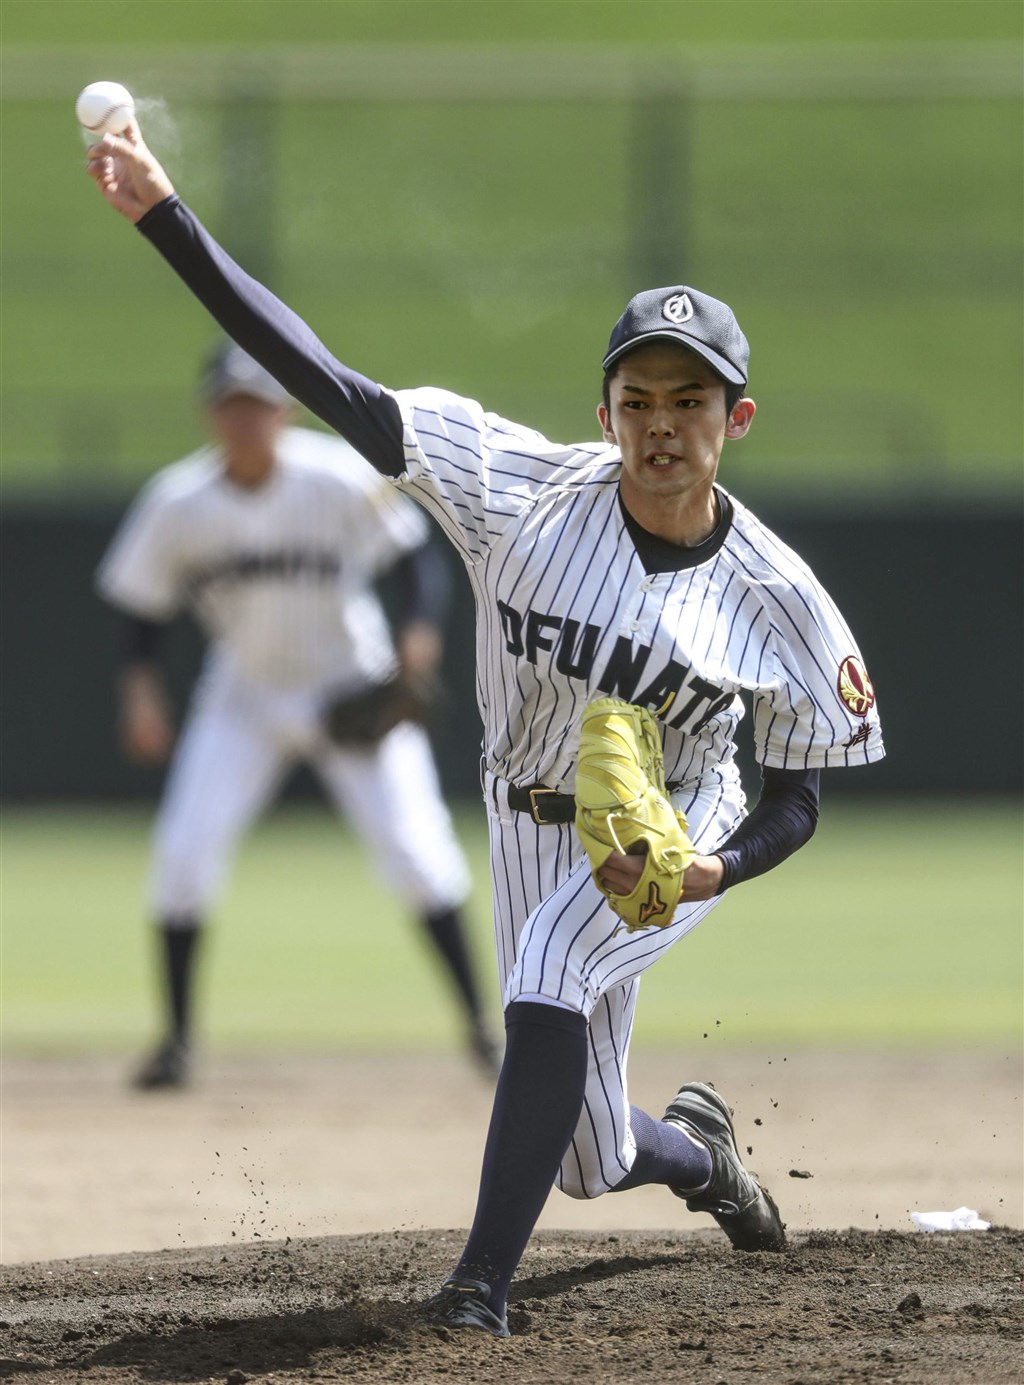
column 643, row 1307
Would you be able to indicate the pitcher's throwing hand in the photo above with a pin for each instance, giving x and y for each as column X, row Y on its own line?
column 127, row 174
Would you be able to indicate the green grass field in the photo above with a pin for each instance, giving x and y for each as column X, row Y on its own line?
column 899, row 924
column 64, row 22
column 868, row 234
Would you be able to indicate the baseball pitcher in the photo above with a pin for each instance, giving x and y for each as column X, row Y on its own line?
column 626, row 600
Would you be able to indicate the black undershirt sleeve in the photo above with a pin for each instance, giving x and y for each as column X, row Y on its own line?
column 139, row 639
column 424, row 586
column 357, row 408
column 782, row 821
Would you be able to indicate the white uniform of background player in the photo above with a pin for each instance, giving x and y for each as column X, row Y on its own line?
column 279, row 575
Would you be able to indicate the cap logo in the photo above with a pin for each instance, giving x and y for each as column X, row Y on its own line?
column 678, row 308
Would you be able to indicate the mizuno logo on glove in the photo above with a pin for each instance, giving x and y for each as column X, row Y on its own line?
column 654, row 905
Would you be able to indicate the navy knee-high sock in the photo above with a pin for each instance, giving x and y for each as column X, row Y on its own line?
column 664, row 1154
column 179, row 938
column 447, row 931
column 536, row 1107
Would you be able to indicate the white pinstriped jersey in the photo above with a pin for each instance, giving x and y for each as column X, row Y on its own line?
column 280, row 577
column 567, row 611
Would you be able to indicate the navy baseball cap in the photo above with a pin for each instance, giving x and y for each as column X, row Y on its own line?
column 231, row 371
column 696, row 320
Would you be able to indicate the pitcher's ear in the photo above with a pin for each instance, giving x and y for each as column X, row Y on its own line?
column 741, row 418
column 605, row 420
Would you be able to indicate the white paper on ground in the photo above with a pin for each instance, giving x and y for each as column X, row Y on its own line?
column 963, row 1219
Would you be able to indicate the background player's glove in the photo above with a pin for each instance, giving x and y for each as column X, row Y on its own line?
column 622, row 805
column 364, row 718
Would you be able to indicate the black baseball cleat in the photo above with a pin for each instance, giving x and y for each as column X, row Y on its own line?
column 464, row 1303
column 168, row 1066
column 741, row 1207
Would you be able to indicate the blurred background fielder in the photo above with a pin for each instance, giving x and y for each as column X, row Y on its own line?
column 272, row 538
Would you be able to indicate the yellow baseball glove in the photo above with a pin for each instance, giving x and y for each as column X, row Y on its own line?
column 622, row 805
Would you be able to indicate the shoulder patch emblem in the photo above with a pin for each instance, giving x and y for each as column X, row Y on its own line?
column 855, row 688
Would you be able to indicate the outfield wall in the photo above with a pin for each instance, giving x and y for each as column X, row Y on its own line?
column 933, row 597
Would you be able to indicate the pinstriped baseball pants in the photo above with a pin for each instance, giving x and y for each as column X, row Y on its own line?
column 556, row 937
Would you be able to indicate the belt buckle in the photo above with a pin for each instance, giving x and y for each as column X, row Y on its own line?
column 534, row 807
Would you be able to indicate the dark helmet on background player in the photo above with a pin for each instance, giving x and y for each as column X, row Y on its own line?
column 231, row 371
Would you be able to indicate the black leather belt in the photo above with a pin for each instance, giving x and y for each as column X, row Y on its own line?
column 547, row 806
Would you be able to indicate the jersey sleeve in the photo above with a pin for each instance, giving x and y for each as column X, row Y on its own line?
column 475, row 471
column 385, row 525
column 818, row 709
column 141, row 571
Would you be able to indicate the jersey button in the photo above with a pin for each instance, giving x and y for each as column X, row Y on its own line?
column 634, row 625
column 646, row 585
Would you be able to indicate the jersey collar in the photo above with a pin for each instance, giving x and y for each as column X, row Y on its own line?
column 658, row 555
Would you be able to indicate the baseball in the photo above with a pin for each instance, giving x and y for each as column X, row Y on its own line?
column 105, row 108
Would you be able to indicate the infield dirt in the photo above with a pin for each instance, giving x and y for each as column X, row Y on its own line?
column 835, row 1307
column 279, row 1152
